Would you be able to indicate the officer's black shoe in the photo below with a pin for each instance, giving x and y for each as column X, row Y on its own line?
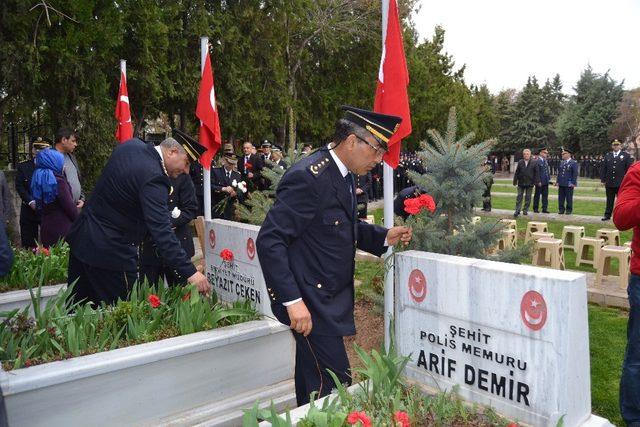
column 545, row 211
column 605, row 218
column 516, row 214
column 560, row 213
column 525, row 213
column 535, row 211
column 568, row 213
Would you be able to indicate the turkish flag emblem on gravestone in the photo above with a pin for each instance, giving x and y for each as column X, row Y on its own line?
column 251, row 248
column 417, row 286
column 212, row 239
column 533, row 310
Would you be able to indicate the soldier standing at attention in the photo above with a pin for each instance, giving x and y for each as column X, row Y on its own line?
column 307, row 243
column 567, row 181
column 129, row 201
column 542, row 185
column 612, row 171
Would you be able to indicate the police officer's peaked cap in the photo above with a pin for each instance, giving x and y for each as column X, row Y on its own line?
column 230, row 157
column 265, row 143
column 381, row 126
column 227, row 148
column 615, row 142
column 191, row 146
column 40, row 142
column 568, row 150
column 276, row 148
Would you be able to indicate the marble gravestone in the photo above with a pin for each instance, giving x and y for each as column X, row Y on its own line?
column 240, row 279
column 513, row 337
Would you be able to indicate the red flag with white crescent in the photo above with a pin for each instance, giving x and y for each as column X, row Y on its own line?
column 206, row 111
column 124, row 131
column 393, row 78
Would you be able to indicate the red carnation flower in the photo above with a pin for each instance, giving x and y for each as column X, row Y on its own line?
column 154, row 301
column 355, row 417
column 412, row 206
column 248, row 165
column 427, row 202
column 226, row 255
column 45, row 251
column 186, row 296
column 513, row 425
column 402, row 418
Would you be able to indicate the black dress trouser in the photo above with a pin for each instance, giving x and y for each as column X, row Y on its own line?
column 315, row 356
column 612, row 192
column 96, row 285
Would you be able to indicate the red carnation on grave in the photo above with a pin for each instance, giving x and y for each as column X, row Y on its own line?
column 402, row 418
column 248, row 166
column 154, row 301
column 186, row 296
column 226, row 255
column 355, row 417
column 45, row 251
column 513, row 425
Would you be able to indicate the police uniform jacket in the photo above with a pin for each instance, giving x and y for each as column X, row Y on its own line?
column 129, row 201
column 543, row 171
column 219, row 180
column 613, row 168
column 182, row 197
column 306, row 245
column 24, row 173
column 363, row 182
column 568, row 173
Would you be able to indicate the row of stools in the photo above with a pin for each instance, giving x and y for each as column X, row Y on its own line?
column 549, row 251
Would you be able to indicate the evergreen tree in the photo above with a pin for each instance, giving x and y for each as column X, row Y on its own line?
column 528, row 121
column 589, row 115
column 455, row 179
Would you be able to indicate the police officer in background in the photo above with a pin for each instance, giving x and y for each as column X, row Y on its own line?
column 307, row 243
column 542, row 184
column 612, row 171
column 363, row 183
column 223, row 193
column 183, row 207
column 29, row 216
column 567, row 181
column 129, row 201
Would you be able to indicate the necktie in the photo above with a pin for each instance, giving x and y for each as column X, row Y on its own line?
column 349, row 181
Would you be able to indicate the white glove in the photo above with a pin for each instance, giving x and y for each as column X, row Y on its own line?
column 242, row 186
column 175, row 213
column 234, row 183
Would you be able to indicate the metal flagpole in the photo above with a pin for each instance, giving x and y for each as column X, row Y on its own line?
column 204, row 47
column 387, row 176
column 123, row 67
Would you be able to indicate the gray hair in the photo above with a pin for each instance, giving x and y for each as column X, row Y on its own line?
column 526, row 150
column 344, row 128
column 171, row 143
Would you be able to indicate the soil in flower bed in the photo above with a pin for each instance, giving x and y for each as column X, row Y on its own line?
column 369, row 331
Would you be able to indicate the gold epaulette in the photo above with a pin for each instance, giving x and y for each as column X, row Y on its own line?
column 317, row 167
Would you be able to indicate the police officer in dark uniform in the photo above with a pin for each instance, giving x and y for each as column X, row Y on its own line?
column 567, row 181
column 29, row 216
column 129, row 201
column 363, row 183
column 612, row 171
column 224, row 193
column 183, row 207
column 306, row 247
column 542, row 184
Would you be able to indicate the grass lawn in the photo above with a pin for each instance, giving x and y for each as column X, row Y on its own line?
column 582, row 182
column 580, row 207
column 591, row 191
column 607, row 341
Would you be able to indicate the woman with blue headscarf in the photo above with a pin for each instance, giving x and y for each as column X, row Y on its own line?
column 52, row 193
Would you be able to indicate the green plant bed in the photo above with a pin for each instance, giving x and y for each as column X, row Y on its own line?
column 62, row 330
column 383, row 398
column 46, row 266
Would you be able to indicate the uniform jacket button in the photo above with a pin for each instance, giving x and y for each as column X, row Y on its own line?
column 337, row 223
column 319, row 285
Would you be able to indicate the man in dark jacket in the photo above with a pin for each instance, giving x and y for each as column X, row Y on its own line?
column 542, row 184
column 183, row 207
column 307, row 243
column 567, row 181
column 227, row 188
column 612, row 171
column 29, row 216
column 525, row 176
column 250, row 167
column 129, row 201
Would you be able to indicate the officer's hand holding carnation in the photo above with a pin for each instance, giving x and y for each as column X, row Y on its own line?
column 399, row 234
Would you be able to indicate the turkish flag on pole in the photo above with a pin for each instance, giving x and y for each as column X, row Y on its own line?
column 210, row 136
column 124, row 131
column 393, row 79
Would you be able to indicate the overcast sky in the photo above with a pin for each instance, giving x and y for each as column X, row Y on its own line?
column 504, row 41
